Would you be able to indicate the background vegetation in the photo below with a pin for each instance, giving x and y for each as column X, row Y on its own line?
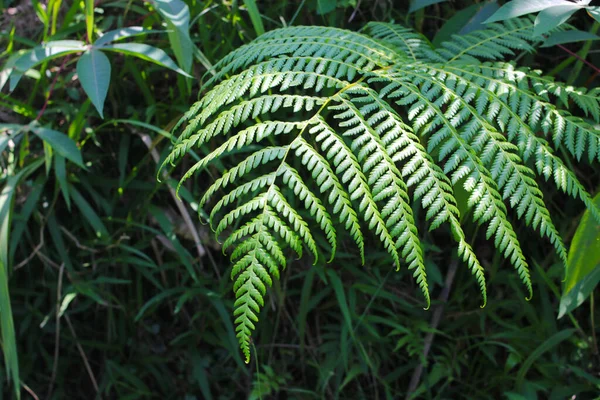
column 117, row 291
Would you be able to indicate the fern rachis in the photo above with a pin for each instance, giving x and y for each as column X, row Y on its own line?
column 343, row 128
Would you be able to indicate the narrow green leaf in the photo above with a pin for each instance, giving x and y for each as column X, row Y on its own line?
column 122, row 33
column 8, row 132
column 568, row 37
column 551, row 342
column 255, row 16
column 60, row 171
column 516, row 8
column 93, row 69
column 167, row 226
column 9, row 344
column 465, row 21
column 48, row 51
column 157, row 299
column 19, row 224
column 177, row 16
column 88, row 212
column 418, row 4
column 57, row 240
column 60, row 143
column 552, row 17
column 340, row 294
column 148, row 53
column 89, row 18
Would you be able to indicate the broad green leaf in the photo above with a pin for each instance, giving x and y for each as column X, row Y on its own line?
column 568, row 37
column 60, row 143
column 93, row 69
column 584, row 253
column 37, row 55
column 89, row 18
column 516, row 8
column 418, row 4
column 148, row 53
column 552, row 17
column 583, row 264
column 122, row 33
column 177, row 16
column 9, row 345
column 255, row 16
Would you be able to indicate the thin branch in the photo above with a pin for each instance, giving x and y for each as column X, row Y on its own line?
column 74, row 239
column 84, row 357
column 51, row 90
column 35, row 250
column 577, row 56
column 30, row 391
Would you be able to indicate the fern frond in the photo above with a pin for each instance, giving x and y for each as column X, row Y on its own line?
column 327, row 180
column 514, row 179
column 404, row 40
column 343, row 131
column 346, row 165
column 495, row 42
column 462, row 162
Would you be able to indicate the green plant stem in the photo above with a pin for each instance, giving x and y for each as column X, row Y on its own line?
column 594, row 340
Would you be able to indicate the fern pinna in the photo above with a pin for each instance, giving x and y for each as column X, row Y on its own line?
column 344, row 130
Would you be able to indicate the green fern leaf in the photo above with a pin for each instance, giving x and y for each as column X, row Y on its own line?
column 345, row 131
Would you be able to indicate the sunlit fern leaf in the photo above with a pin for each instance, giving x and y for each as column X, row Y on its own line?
column 345, row 131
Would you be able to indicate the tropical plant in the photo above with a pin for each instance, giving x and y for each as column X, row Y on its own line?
column 357, row 124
